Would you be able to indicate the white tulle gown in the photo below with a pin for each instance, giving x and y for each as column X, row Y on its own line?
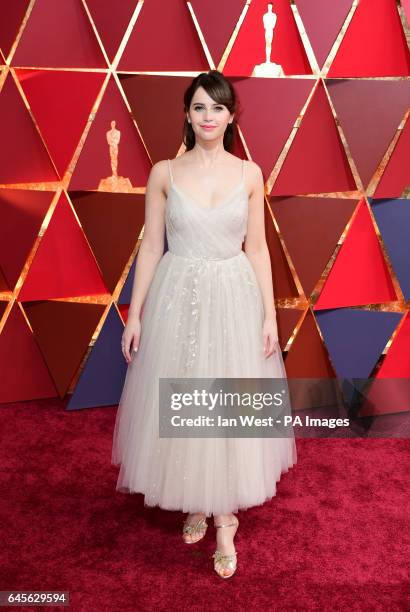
column 202, row 317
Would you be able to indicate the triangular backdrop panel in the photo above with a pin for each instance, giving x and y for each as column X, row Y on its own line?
column 93, row 169
column 111, row 31
column 112, row 225
column 374, row 44
column 63, row 331
column 307, row 356
column 359, row 275
column 126, row 291
column 61, row 102
column 356, row 338
column 217, row 34
column 266, row 132
column 23, row 156
column 249, row 47
column 397, row 361
column 63, row 265
column 390, row 390
column 316, row 161
column 393, row 220
column 311, row 228
column 22, row 213
column 164, row 38
column 123, row 310
column 9, row 27
column 58, row 35
column 103, row 376
column 24, row 373
column 282, row 278
column 396, row 176
column 146, row 94
column 287, row 319
column 368, row 123
column 323, row 21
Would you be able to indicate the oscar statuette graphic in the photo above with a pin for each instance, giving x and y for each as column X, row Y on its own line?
column 268, row 68
column 114, row 182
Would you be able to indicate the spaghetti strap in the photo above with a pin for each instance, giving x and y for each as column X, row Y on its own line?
column 170, row 171
column 243, row 168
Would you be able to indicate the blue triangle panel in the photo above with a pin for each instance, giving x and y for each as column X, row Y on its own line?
column 103, row 376
column 126, row 292
column 393, row 220
column 356, row 338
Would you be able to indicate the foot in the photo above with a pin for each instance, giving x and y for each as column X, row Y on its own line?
column 225, row 554
column 194, row 528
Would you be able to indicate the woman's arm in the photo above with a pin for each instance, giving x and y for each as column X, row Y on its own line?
column 152, row 245
column 256, row 247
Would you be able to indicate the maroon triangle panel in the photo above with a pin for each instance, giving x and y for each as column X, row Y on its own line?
column 59, row 35
column 23, row 156
column 155, row 46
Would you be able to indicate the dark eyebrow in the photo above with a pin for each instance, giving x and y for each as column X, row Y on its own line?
column 214, row 104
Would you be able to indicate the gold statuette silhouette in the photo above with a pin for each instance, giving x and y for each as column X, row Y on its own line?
column 114, row 182
column 268, row 68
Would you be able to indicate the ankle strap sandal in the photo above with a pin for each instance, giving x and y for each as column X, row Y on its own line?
column 198, row 528
column 226, row 562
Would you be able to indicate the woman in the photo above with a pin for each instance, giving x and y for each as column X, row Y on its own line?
column 208, row 312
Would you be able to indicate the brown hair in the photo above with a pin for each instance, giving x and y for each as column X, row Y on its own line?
column 220, row 89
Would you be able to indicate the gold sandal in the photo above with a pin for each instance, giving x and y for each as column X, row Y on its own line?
column 198, row 527
column 226, row 561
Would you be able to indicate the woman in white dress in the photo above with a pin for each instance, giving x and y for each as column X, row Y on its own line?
column 204, row 308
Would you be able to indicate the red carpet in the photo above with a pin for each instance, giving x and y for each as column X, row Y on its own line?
column 332, row 539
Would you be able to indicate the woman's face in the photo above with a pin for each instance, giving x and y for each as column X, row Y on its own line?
column 204, row 111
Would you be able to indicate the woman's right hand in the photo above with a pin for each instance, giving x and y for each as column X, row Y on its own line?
column 131, row 336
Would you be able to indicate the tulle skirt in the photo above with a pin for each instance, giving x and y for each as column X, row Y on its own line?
column 201, row 318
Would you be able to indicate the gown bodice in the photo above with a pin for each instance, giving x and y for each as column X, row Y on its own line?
column 206, row 233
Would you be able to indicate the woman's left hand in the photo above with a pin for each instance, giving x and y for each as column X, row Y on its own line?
column 270, row 337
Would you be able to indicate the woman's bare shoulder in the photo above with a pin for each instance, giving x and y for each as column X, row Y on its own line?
column 158, row 176
column 254, row 175
column 159, row 166
column 254, row 168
